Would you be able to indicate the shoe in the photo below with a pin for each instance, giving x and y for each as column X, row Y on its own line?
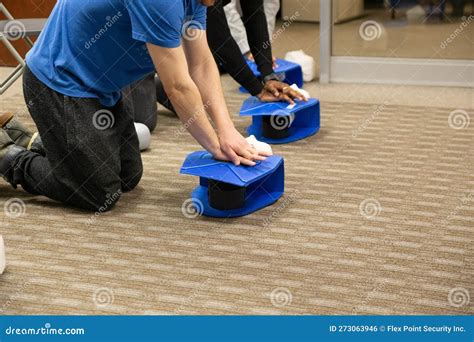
column 8, row 152
column 15, row 129
column 5, row 144
column 21, row 135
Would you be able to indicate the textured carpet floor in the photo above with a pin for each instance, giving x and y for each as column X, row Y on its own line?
column 378, row 218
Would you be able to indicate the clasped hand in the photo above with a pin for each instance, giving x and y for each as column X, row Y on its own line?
column 234, row 148
column 274, row 91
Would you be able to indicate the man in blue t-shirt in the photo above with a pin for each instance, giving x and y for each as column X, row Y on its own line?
column 88, row 51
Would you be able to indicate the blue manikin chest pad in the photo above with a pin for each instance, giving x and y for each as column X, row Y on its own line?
column 264, row 182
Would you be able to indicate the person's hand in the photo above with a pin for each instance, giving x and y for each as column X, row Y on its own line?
column 267, row 96
column 279, row 91
column 234, row 148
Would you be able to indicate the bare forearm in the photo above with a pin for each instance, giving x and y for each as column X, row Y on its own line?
column 172, row 68
column 192, row 113
column 207, row 79
column 187, row 86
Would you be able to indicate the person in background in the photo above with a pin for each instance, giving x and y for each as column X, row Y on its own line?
column 140, row 99
column 233, row 12
column 229, row 58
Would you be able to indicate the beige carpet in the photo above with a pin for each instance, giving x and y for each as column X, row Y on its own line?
column 378, row 218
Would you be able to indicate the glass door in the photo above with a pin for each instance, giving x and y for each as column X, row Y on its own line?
column 399, row 41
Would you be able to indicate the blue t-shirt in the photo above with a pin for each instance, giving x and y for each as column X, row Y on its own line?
column 93, row 48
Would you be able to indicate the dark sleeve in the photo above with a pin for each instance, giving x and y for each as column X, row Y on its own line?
column 226, row 51
column 255, row 23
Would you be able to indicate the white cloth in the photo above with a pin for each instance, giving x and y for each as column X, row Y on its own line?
column 233, row 13
column 260, row 146
column 307, row 63
column 144, row 136
column 2, row 255
column 305, row 93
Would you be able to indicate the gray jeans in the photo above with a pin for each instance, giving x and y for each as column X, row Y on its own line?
column 91, row 155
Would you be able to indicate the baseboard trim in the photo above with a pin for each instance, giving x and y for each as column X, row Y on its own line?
column 404, row 71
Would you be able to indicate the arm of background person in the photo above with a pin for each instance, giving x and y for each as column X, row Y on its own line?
column 271, row 11
column 236, row 26
column 227, row 52
column 255, row 21
column 233, row 13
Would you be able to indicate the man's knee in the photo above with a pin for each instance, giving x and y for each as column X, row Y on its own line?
column 131, row 180
column 104, row 199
